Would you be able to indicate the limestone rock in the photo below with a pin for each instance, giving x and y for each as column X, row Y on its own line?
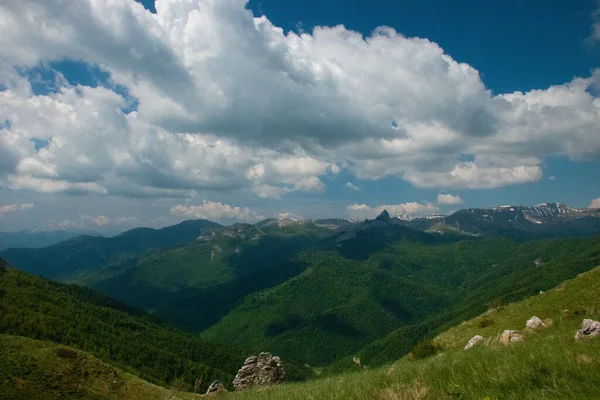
column 475, row 340
column 535, row 323
column 589, row 328
column 215, row 387
column 260, row 370
column 509, row 337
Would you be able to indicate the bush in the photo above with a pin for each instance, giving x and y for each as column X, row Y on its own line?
column 485, row 322
column 64, row 352
column 425, row 348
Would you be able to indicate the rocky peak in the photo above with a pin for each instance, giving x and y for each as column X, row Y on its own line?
column 384, row 216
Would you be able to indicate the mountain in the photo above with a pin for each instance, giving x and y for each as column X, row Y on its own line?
column 218, row 269
column 386, row 277
column 519, row 222
column 117, row 334
column 549, row 364
column 90, row 252
column 36, row 238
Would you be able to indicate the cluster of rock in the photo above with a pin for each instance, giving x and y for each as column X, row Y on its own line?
column 511, row 336
column 589, row 328
column 260, row 370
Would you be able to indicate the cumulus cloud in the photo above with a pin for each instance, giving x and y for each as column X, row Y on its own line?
column 229, row 102
column 449, row 199
column 412, row 209
column 595, row 203
column 352, row 186
column 216, row 211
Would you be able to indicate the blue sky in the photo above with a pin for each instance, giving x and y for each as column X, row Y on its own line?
column 124, row 120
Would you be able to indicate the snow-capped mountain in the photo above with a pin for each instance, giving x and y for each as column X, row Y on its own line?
column 543, row 218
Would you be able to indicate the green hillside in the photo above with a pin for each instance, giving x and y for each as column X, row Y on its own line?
column 84, row 253
column 208, row 276
column 32, row 369
column 346, row 300
column 549, row 364
column 109, row 330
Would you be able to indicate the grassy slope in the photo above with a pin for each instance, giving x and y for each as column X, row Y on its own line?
column 32, row 369
column 124, row 337
column 550, row 364
column 339, row 305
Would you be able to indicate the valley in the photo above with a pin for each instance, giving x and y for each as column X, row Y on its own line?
column 195, row 299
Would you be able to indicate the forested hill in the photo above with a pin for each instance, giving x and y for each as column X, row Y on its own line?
column 91, row 252
column 115, row 333
column 357, row 294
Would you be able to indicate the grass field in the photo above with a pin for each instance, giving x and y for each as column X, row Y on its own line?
column 550, row 364
column 31, row 369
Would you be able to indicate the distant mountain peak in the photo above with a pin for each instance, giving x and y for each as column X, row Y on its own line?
column 384, row 216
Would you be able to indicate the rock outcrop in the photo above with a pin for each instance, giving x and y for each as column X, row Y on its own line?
column 260, row 370
column 589, row 328
column 535, row 323
column 215, row 387
column 508, row 337
column 475, row 340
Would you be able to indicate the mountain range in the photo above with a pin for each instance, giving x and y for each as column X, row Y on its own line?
column 291, row 285
column 318, row 293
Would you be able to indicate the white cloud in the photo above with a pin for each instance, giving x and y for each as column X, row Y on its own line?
column 230, row 102
column 364, row 211
column 10, row 208
column 595, row 203
column 449, row 199
column 216, row 211
column 552, row 178
column 352, row 186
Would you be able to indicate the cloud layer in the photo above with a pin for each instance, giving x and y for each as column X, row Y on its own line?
column 226, row 101
column 15, row 207
column 363, row 211
column 217, row 211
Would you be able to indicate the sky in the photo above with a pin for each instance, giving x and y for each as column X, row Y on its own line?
column 121, row 114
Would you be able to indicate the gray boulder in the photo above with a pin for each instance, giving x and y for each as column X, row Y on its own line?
column 589, row 328
column 535, row 323
column 475, row 340
column 215, row 387
column 509, row 337
column 261, row 370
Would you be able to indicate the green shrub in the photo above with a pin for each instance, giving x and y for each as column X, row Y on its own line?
column 425, row 348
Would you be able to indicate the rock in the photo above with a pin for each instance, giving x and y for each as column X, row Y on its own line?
column 215, row 387
column 260, row 370
column 475, row 340
column 356, row 360
column 535, row 323
column 509, row 337
column 589, row 328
